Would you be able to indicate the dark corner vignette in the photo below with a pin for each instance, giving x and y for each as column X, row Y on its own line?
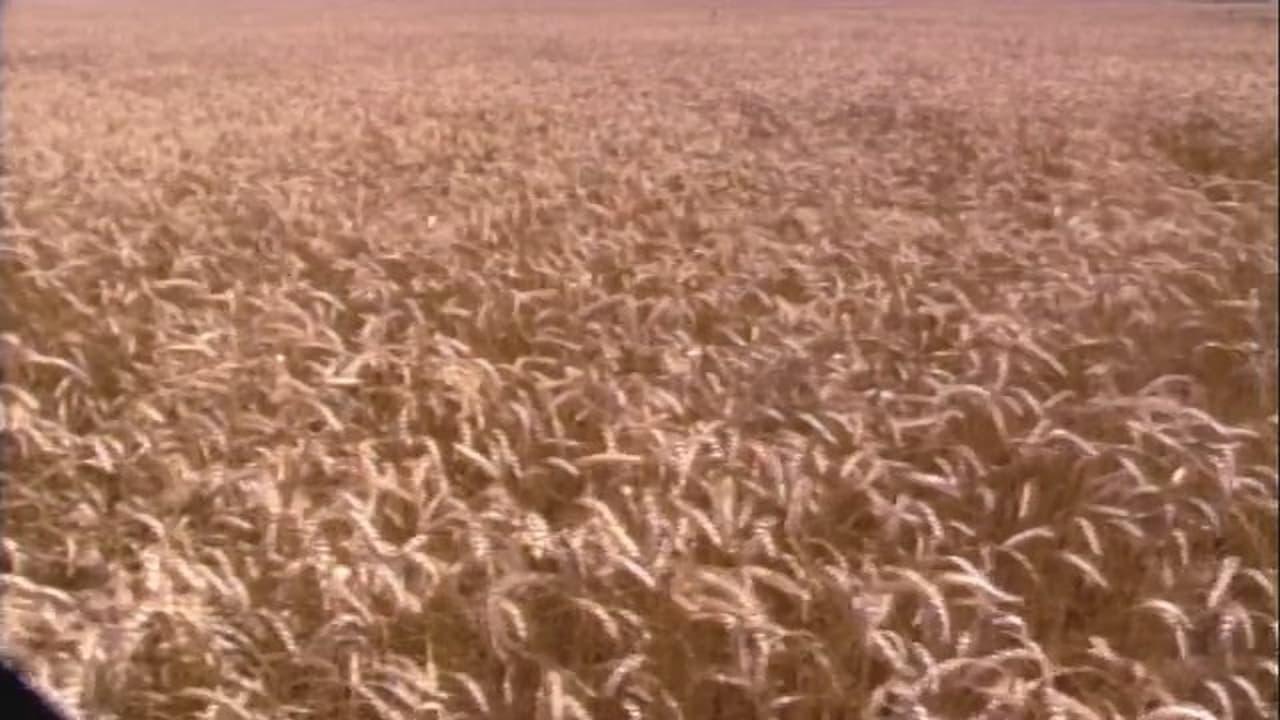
column 19, row 699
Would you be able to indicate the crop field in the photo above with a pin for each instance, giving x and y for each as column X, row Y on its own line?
column 555, row 361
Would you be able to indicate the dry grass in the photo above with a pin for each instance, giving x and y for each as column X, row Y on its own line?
column 638, row 363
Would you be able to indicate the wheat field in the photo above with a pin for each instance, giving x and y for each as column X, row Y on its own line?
column 550, row 362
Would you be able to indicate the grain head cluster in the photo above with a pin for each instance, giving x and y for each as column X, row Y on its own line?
column 401, row 360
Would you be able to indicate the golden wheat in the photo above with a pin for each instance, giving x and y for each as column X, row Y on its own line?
column 640, row 362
